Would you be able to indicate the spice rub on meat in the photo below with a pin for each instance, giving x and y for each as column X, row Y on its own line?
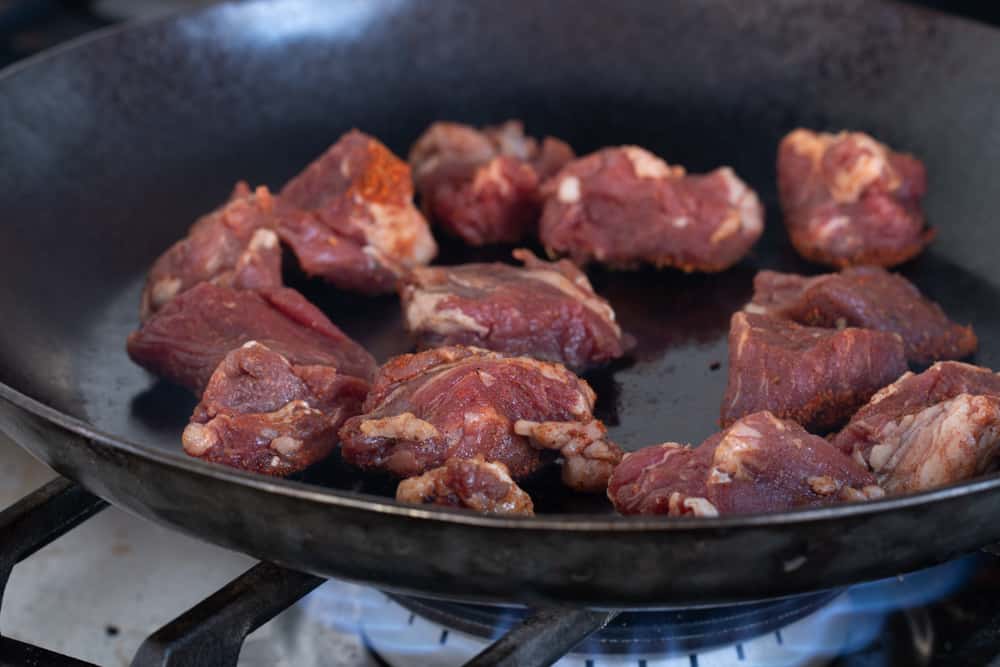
column 483, row 185
column 264, row 414
column 759, row 464
column 546, row 310
column 818, row 377
column 348, row 217
column 363, row 230
column 187, row 339
column 233, row 246
column 848, row 199
column 465, row 402
column 868, row 297
column 473, row 484
column 625, row 206
column 928, row 429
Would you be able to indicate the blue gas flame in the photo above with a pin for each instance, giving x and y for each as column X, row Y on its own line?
column 863, row 609
column 851, row 622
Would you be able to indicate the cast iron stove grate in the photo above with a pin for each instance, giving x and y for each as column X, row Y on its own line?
column 212, row 632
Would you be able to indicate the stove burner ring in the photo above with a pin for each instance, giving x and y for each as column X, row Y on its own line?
column 651, row 632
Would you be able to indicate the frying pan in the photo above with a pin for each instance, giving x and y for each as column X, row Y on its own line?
column 111, row 147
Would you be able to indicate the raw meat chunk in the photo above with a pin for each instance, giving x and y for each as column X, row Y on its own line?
column 848, row 199
column 868, row 297
column 759, row 464
column 263, row 414
column 624, row 206
column 664, row 479
column 818, row 377
column 364, row 231
column 950, row 441
column 483, row 186
column 234, row 246
column 544, row 310
column 928, row 429
column 910, row 394
column 465, row 402
column 188, row 338
column 588, row 456
column 471, row 484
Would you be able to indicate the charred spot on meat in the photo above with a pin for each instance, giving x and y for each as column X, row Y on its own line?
column 474, row 484
column 261, row 413
column 483, row 185
column 625, row 206
column 759, row 464
column 547, row 310
column 233, row 246
column 868, row 297
column 816, row 376
column 848, row 199
column 363, row 230
column 464, row 402
column 929, row 429
column 187, row 339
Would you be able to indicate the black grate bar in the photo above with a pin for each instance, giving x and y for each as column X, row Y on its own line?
column 39, row 518
column 212, row 632
column 18, row 654
column 542, row 638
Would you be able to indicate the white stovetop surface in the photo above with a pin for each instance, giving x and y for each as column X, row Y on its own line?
column 100, row 590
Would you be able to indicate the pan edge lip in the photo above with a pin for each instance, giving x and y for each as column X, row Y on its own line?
column 99, row 34
column 82, row 41
column 604, row 523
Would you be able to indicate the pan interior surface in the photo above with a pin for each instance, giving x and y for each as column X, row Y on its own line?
column 113, row 147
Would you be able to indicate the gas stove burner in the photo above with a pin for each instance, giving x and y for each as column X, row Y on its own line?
column 804, row 631
column 875, row 623
column 668, row 632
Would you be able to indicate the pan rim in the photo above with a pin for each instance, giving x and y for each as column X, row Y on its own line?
column 607, row 523
column 17, row 67
column 604, row 523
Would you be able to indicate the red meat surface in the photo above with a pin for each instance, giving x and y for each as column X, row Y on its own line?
column 848, row 199
column 625, row 207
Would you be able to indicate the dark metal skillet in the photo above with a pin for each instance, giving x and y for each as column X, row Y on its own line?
column 111, row 147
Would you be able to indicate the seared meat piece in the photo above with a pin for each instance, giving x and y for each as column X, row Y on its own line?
column 472, row 484
column 625, row 206
column 848, row 199
column 869, row 297
column 365, row 230
column 483, row 186
column 925, row 430
column 234, row 246
column 188, row 338
column 759, row 464
column 263, row 414
column 544, row 310
column 463, row 402
column 818, row 377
